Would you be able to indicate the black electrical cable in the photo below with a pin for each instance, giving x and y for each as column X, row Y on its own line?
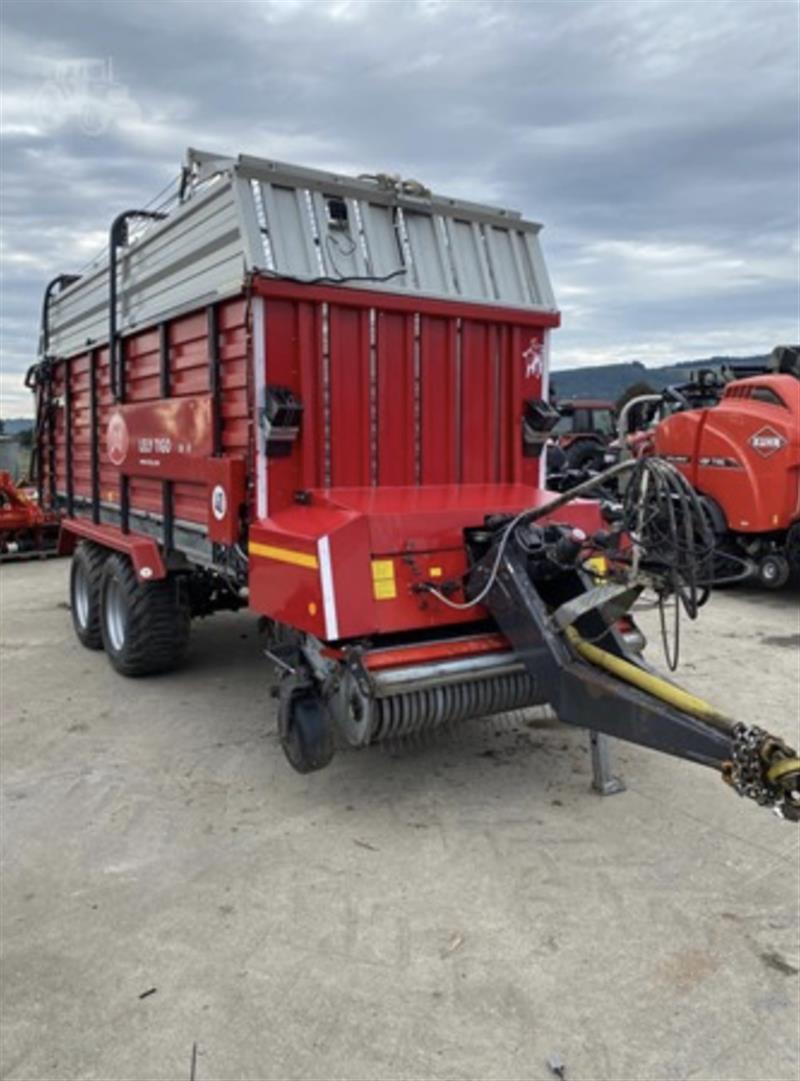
column 671, row 533
column 325, row 280
column 670, row 527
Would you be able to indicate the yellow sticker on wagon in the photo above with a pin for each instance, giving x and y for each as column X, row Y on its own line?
column 384, row 587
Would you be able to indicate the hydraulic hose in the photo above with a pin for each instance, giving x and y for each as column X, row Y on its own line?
column 761, row 767
column 649, row 682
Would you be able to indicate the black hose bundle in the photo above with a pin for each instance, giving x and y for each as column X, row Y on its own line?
column 673, row 540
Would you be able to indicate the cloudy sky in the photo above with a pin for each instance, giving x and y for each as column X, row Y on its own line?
column 657, row 141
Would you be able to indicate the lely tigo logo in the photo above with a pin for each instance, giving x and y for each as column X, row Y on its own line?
column 117, row 439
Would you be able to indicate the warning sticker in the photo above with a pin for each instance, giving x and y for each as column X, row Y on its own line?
column 384, row 587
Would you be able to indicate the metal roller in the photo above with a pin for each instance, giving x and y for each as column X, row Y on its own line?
column 419, row 698
column 422, row 710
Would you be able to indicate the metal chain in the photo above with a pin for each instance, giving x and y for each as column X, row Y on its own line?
column 747, row 775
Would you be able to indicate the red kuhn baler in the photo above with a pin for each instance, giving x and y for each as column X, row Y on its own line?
column 742, row 456
column 326, row 398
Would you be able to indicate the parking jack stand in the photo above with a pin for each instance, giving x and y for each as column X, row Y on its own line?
column 603, row 780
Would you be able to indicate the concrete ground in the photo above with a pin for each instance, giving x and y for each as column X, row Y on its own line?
column 460, row 911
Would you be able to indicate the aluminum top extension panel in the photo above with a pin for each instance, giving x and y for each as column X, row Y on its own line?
column 242, row 215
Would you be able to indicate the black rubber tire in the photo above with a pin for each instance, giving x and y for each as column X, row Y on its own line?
column 585, row 454
column 304, row 728
column 86, row 573
column 773, row 571
column 152, row 633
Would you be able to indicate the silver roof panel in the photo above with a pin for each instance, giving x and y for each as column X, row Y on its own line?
column 245, row 214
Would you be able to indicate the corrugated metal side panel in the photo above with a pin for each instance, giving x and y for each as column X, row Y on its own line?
column 109, row 475
column 399, row 398
column 524, row 385
column 478, row 403
column 433, row 247
column 310, row 386
column 351, row 450
column 233, row 352
column 286, row 329
column 439, row 421
column 142, row 367
column 189, row 366
column 195, row 255
column 57, row 462
column 79, row 315
column 79, row 368
column 384, row 251
column 397, row 448
column 143, row 384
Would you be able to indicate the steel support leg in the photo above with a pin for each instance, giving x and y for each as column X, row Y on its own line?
column 603, row 780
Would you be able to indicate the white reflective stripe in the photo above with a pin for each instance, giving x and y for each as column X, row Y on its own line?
column 545, row 398
column 259, row 391
column 328, row 595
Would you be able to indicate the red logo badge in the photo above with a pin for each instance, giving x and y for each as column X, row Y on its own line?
column 117, row 439
column 766, row 441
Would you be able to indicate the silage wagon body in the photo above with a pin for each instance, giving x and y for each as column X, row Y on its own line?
column 408, row 380
column 326, row 398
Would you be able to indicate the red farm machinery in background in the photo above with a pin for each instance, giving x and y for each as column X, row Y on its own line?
column 736, row 439
column 325, row 398
column 26, row 530
column 743, row 456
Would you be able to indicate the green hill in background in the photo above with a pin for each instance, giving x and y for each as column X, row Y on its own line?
column 15, row 425
column 610, row 380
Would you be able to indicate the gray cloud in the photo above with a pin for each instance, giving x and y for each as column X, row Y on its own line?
column 657, row 141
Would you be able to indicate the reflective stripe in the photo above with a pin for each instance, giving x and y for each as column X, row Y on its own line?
column 284, row 555
column 328, row 595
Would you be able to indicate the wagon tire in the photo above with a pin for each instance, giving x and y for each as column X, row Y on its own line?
column 145, row 625
column 85, row 582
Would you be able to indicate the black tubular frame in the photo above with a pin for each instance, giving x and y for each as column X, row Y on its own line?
column 51, row 438
column 94, row 435
column 167, row 486
column 117, row 238
column 124, row 503
column 68, row 436
column 580, row 693
column 60, row 282
column 38, row 378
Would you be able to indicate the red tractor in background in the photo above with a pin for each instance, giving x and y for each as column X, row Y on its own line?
column 741, row 452
column 584, row 429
